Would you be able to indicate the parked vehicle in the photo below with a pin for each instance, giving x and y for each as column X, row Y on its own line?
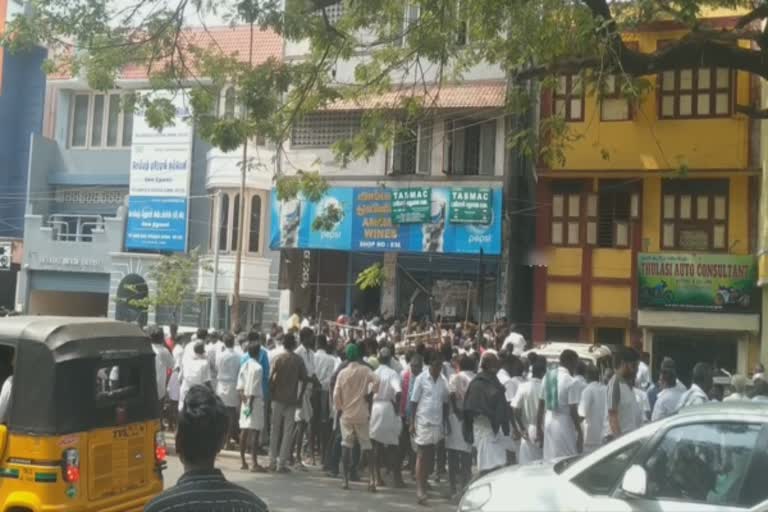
column 83, row 428
column 590, row 353
column 708, row 458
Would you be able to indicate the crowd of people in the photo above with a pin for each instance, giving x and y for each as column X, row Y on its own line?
column 447, row 403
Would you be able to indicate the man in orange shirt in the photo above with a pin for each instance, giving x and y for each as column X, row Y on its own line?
column 351, row 396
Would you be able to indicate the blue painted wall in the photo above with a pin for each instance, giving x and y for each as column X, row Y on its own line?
column 22, row 100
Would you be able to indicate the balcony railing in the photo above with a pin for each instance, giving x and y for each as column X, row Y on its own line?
column 75, row 228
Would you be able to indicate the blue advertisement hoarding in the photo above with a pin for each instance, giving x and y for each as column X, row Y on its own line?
column 156, row 223
column 366, row 225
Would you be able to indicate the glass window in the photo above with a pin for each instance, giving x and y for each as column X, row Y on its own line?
column 229, row 102
column 98, row 120
column 569, row 98
column 113, row 120
column 699, row 223
column 703, row 92
column 223, row 222
column 80, row 120
column 254, row 231
column 127, row 127
column 235, row 222
column 602, row 477
column 709, row 463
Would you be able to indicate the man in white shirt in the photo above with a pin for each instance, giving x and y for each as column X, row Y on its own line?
column 325, row 366
column 163, row 360
column 669, row 396
column 304, row 412
column 738, row 389
column 558, row 418
column 429, row 399
column 510, row 376
column 623, row 410
column 195, row 371
column 525, row 406
column 516, row 341
column 227, row 367
column 702, row 384
column 385, row 424
column 592, row 410
column 643, row 376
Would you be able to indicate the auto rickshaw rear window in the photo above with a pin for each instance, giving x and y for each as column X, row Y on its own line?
column 117, row 381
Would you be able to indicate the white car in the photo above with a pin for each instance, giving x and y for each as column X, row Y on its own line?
column 708, row 458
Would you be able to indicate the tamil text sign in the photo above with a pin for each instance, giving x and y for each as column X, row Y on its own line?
column 471, row 205
column 366, row 224
column 697, row 282
column 411, row 205
column 161, row 164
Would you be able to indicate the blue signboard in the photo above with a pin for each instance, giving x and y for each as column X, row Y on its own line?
column 365, row 224
column 157, row 223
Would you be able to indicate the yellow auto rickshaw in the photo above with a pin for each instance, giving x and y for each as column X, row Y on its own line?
column 82, row 429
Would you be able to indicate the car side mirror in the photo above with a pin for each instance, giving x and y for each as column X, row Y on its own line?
column 635, row 481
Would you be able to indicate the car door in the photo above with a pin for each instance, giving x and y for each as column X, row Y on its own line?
column 716, row 466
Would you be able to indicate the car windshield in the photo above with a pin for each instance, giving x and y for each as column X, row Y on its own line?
column 564, row 464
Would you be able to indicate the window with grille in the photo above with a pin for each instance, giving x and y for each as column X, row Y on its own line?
column 569, row 98
column 230, row 222
column 695, row 92
column 695, row 215
column 412, row 151
column 470, row 147
column 618, row 203
column 99, row 121
column 566, row 214
column 254, row 231
column 614, row 106
column 334, row 12
column 323, row 129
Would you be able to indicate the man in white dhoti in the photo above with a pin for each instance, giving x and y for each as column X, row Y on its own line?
column 194, row 372
column 251, row 407
column 227, row 367
column 304, row 411
column 486, row 416
column 385, row 420
column 511, row 377
column 592, row 410
column 525, row 406
column 558, row 417
column 459, row 450
column 429, row 400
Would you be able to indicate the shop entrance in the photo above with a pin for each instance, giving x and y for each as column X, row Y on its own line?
column 68, row 303
column 687, row 349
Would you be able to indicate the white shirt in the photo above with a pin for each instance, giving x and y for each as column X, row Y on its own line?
column 694, row 396
column 325, row 365
column 666, row 403
column 517, row 341
column 249, row 379
column 5, row 399
column 195, row 372
column 566, row 392
column 272, row 354
column 178, row 354
column 429, row 395
column 621, row 398
column 758, row 398
column 389, row 384
column 579, row 384
column 308, row 357
column 592, row 408
column 527, row 400
column 644, row 405
column 643, row 376
column 734, row 397
column 227, row 368
column 510, row 384
column 163, row 364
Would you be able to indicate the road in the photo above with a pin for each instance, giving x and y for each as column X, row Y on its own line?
column 313, row 491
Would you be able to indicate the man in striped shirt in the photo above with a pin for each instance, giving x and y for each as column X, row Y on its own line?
column 200, row 437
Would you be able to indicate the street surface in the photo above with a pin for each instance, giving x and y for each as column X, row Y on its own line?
column 313, row 491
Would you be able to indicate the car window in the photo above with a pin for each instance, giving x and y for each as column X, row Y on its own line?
column 602, row 477
column 709, row 463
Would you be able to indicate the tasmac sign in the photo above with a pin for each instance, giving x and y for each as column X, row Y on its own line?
column 161, row 165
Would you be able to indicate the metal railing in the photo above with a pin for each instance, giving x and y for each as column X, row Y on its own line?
column 75, row 228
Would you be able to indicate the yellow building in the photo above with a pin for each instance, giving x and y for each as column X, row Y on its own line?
column 648, row 227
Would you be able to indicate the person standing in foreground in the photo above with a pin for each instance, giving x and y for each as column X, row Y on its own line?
column 202, row 487
column 699, row 392
column 624, row 413
column 486, row 416
column 286, row 388
column 251, row 406
column 459, row 450
column 558, row 418
column 669, row 396
column 592, row 410
column 525, row 407
column 350, row 396
column 385, row 421
column 227, row 367
column 429, row 401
